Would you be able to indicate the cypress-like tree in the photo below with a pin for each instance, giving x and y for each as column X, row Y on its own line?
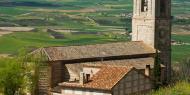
column 157, row 70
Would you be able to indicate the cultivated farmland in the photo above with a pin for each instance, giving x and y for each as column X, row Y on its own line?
column 36, row 23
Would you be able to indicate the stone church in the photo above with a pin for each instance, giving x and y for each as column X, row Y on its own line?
column 120, row 68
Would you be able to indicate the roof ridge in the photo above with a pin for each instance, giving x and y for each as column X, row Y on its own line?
column 98, row 50
column 44, row 50
column 117, row 66
column 91, row 44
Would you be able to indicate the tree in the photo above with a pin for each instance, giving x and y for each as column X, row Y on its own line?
column 19, row 74
column 12, row 77
column 157, row 70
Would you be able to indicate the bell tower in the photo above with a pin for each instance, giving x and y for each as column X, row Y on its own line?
column 151, row 23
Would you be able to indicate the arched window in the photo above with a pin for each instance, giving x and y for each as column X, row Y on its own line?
column 144, row 5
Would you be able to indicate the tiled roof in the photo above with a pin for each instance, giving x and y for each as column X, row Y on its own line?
column 105, row 79
column 98, row 50
column 138, row 63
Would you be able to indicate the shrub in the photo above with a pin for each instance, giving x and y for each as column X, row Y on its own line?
column 180, row 88
column 18, row 75
column 181, row 80
column 12, row 77
column 182, row 70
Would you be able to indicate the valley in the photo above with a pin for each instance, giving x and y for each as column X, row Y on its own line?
column 88, row 22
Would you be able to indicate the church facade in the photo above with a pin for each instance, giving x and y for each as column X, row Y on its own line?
column 81, row 70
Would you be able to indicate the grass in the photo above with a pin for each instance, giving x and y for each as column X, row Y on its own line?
column 22, row 15
column 12, row 42
column 12, row 11
column 180, row 7
column 180, row 88
column 179, row 52
column 106, row 19
column 183, row 38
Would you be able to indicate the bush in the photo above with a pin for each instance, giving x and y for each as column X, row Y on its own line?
column 17, row 75
column 12, row 77
column 181, row 80
column 182, row 70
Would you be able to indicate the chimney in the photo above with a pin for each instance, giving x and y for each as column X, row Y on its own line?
column 147, row 70
column 82, row 78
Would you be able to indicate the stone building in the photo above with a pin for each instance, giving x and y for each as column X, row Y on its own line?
column 151, row 29
column 64, row 64
column 107, row 80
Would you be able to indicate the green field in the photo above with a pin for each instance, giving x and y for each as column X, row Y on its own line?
column 97, row 20
column 100, row 16
column 180, row 52
column 15, row 41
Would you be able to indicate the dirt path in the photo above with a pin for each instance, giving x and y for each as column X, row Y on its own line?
column 181, row 33
column 16, row 29
column 8, row 30
column 4, row 33
column 4, row 55
column 67, row 11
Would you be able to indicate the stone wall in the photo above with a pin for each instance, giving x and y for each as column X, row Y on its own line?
column 163, row 43
column 43, row 82
column 143, row 31
column 152, row 73
column 57, row 73
column 133, row 83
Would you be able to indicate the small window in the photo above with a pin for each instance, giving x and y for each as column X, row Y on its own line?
column 144, row 5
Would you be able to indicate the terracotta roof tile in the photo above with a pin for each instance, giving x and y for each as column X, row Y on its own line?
column 98, row 50
column 138, row 63
column 105, row 79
